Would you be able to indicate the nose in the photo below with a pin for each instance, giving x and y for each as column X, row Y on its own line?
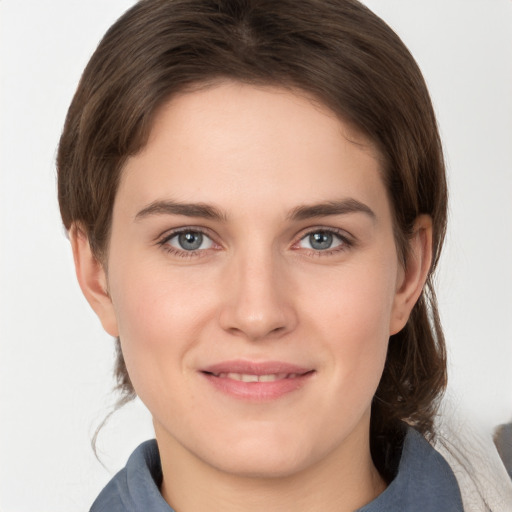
column 258, row 296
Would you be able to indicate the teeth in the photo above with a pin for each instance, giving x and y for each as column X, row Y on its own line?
column 245, row 377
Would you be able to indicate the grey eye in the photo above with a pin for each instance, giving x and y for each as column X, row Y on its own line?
column 321, row 241
column 190, row 241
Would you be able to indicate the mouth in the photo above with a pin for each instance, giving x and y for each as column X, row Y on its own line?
column 257, row 381
column 250, row 377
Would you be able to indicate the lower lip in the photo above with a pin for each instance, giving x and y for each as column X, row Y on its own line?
column 257, row 391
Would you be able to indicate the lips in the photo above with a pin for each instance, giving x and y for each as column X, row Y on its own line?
column 256, row 381
column 249, row 377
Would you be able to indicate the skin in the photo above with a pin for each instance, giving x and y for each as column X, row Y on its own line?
column 256, row 290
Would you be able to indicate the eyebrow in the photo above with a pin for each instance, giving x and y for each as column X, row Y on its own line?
column 201, row 210
column 328, row 208
column 206, row 211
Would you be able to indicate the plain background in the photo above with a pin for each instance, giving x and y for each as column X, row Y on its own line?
column 55, row 360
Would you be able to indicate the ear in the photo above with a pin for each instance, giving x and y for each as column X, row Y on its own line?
column 92, row 278
column 412, row 278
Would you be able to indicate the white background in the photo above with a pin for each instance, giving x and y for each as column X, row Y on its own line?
column 55, row 361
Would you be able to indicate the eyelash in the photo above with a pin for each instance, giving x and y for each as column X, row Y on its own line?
column 346, row 242
column 163, row 242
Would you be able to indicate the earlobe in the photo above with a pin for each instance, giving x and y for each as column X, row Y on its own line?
column 412, row 278
column 92, row 279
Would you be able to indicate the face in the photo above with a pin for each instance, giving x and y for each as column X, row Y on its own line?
column 254, row 279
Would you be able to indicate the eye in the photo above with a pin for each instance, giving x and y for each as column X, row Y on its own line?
column 322, row 240
column 189, row 241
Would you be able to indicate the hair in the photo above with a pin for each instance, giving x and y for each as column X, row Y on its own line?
column 336, row 51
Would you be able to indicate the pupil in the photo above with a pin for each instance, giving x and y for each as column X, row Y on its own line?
column 320, row 240
column 190, row 241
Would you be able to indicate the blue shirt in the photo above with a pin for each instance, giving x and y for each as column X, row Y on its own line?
column 424, row 482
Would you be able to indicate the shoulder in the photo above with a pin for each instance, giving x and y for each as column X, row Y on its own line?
column 470, row 451
column 135, row 487
column 424, row 481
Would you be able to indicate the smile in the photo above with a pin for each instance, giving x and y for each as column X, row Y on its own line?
column 248, row 377
column 256, row 382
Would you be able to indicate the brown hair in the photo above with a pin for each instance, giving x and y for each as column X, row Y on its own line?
column 336, row 50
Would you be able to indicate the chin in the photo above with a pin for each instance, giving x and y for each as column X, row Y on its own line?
column 263, row 457
column 263, row 466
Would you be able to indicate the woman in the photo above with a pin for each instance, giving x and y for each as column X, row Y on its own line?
column 256, row 201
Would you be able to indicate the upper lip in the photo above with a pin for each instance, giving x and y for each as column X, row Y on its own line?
column 255, row 368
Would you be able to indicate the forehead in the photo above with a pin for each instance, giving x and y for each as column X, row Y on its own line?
column 231, row 138
column 253, row 107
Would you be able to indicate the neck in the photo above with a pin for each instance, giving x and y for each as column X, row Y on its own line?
column 334, row 484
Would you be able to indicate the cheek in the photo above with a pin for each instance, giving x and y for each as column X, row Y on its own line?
column 353, row 315
column 358, row 297
column 160, row 319
column 152, row 299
